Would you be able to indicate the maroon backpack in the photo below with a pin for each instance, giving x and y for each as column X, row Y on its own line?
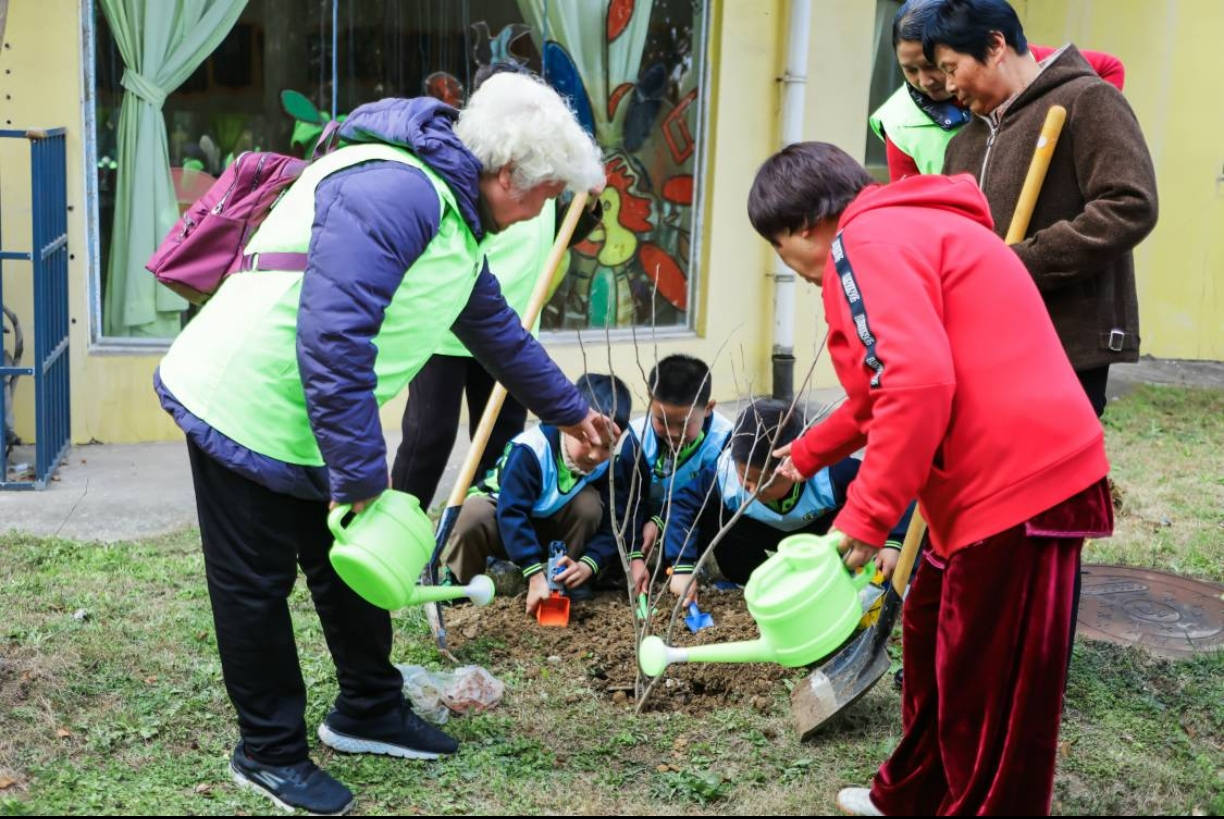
column 205, row 245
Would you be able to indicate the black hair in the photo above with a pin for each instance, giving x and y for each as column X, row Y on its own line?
column 965, row 26
column 911, row 20
column 801, row 185
column 501, row 67
column 763, row 426
column 681, row 380
column 607, row 394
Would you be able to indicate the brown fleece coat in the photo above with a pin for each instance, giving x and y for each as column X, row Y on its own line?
column 1097, row 203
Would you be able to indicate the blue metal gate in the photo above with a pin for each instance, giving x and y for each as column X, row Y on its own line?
column 49, row 263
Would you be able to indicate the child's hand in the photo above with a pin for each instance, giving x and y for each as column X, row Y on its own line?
column 650, row 536
column 887, row 561
column 639, row 574
column 537, row 592
column 575, row 573
column 856, row 553
column 679, row 585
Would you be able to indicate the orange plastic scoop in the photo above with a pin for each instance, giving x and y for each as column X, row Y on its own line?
column 554, row 611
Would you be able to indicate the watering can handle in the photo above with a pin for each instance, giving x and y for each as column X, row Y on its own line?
column 863, row 576
column 335, row 517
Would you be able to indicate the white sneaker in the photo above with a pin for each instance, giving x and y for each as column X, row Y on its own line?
column 857, row 802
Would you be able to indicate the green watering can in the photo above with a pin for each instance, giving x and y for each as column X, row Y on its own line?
column 381, row 553
column 803, row 599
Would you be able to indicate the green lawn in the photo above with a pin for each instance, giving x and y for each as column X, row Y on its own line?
column 111, row 699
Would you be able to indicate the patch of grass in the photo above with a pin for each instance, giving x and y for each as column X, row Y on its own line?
column 111, row 698
column 1133, row 720
column 1166, row 448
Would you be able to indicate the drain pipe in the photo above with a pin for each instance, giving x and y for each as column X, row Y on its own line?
column 793, row 84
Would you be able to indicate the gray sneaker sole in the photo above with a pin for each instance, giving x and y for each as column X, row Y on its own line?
column 244, row 782
column 354, row 745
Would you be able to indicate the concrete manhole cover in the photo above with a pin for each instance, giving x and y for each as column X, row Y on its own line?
column 1170, row 616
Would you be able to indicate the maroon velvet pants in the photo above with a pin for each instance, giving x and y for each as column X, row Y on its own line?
column 986, row 642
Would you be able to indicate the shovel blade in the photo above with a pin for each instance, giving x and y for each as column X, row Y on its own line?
column 554, row 612
column 846, row 676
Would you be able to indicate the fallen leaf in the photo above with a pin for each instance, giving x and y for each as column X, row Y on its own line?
column 150, row 680
column 63, row 733
column 7, row 782
column 662, row 768
column 203, row 787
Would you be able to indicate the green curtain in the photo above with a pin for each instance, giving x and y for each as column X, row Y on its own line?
column 581, row 26
column 162, row 42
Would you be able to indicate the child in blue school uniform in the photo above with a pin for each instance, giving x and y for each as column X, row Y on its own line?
column 705, row 505
column 663, row 451
column 546, row 486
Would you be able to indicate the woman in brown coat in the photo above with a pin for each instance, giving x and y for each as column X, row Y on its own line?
column 1099, row 199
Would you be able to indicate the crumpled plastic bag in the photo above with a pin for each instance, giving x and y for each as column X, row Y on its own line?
column 436, row 694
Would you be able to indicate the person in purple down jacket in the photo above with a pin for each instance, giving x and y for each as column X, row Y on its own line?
column 277, row 383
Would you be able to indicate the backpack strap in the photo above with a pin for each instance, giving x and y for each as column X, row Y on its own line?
column 327, row 140
column 292, row 262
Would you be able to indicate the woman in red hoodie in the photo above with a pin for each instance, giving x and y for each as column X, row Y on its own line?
column 961, row 392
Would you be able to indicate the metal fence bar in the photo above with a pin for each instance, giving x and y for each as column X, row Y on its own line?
column 49, row 262
column 5, row 372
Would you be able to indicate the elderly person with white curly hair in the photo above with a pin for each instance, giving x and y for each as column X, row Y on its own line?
column 436, row 395
column 277, row 383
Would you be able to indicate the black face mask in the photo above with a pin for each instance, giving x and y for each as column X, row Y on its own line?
column 947, row 114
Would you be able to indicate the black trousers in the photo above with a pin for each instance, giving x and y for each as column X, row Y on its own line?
column 431, row 420
column 254, row 540
column 1093, row 382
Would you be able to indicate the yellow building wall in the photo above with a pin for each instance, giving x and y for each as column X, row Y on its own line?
column 1168, row 48
column 41, row 84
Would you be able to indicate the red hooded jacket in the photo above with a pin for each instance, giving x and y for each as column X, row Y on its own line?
column 957, row 383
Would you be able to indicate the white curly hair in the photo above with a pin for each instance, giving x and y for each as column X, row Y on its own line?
column 517, row 120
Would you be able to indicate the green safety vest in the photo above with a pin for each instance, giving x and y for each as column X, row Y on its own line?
column 911, row 130
column 234, row 365
column 516, row 256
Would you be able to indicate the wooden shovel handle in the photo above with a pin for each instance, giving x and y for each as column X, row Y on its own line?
column 1036, row 175
column 538, row 296
column 909, row 551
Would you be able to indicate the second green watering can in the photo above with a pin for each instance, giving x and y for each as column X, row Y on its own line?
column 382, row 550
column 804, row 602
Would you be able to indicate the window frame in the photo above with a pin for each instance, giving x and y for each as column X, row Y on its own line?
column 99, row 343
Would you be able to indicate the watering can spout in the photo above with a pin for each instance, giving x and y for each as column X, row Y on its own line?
column 479, row 591
column 654, row 655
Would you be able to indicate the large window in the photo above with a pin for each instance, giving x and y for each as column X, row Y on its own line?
column 632, row 68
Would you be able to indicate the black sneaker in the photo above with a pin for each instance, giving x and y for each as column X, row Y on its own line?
column 401, row 733
column 302, row 785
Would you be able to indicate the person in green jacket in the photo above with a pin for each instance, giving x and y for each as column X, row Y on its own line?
column 431, row 417
column 356, row 275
